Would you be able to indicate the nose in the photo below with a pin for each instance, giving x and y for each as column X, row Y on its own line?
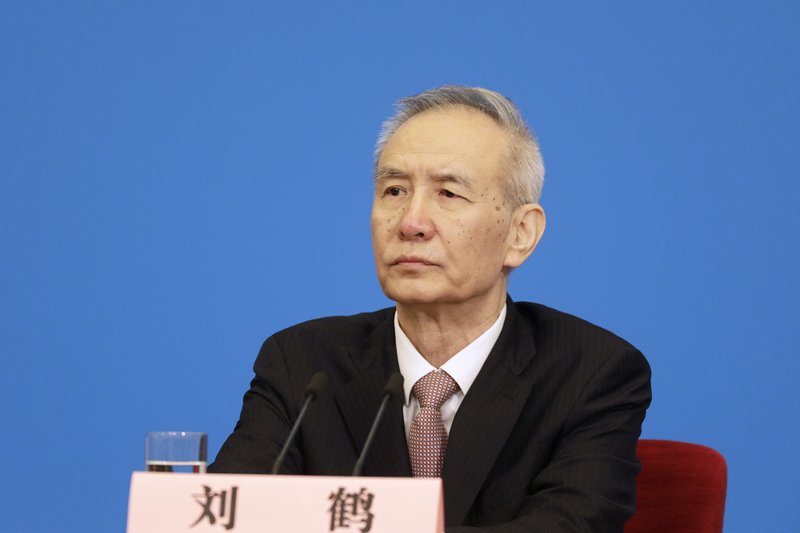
column 416, row 224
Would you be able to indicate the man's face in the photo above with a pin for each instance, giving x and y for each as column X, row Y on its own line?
column 441, row 224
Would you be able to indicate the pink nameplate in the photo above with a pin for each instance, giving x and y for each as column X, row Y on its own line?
column 175, row 502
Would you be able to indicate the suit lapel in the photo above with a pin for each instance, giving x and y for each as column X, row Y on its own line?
column 359, row 400
column 486, row 417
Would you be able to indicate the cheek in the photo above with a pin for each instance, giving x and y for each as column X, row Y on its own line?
column 384, row 219
column 382, row 231
column 488, row 242
column 492, row 227
column 376, row 227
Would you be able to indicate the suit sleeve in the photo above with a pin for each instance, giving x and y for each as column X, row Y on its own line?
column 589, row 483
column 265, row 420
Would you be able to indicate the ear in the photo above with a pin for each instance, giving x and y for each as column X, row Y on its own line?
column 527, row 227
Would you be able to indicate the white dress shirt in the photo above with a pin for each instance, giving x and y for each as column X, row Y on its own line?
column 463, row 367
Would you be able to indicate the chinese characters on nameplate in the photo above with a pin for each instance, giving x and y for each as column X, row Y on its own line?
column 245, row 503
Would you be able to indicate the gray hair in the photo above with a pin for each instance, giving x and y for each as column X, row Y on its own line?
column 524, row 185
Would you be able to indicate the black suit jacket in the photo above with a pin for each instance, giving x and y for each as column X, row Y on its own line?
column 545, row 440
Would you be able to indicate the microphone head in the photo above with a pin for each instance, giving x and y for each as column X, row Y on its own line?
column 394, row 387
column 317, row 385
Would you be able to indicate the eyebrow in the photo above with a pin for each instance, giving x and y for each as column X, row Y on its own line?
column 387, row 172
column 464, row 181
column 446, row 177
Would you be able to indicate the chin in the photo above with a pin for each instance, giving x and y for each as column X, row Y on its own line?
column 412, row 295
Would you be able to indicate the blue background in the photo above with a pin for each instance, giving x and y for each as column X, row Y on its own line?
column 182, row 179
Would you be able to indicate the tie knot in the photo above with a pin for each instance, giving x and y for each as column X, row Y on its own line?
column 434, row 388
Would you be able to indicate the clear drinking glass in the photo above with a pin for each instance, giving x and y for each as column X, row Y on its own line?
column 176, row 451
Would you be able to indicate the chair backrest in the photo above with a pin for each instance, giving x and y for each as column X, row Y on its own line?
column 681, row 488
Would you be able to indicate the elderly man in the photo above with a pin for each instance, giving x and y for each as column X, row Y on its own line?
column 530, row 416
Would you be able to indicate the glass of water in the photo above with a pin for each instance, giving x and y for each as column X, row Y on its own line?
column 176, row 451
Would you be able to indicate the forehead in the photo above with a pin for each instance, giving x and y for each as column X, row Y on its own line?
column 456, row 139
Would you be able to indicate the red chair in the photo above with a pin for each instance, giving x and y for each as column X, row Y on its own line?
column 681, row 488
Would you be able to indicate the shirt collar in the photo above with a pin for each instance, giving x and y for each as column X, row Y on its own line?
column 463, row 367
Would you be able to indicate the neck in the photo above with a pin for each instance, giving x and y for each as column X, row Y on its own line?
column 440, row 331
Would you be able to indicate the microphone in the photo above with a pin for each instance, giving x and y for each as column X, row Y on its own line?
column 393, row 389
column 315, row 387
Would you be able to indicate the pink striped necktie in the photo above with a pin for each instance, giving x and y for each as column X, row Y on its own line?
column 427, row 440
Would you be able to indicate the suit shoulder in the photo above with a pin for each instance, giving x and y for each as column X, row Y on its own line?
column 576, row 347
column 556, row 324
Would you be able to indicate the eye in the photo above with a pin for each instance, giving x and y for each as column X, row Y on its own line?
column 394, row 190
column 448, row 194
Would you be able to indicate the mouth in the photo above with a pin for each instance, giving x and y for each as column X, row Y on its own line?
column 412, row 260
